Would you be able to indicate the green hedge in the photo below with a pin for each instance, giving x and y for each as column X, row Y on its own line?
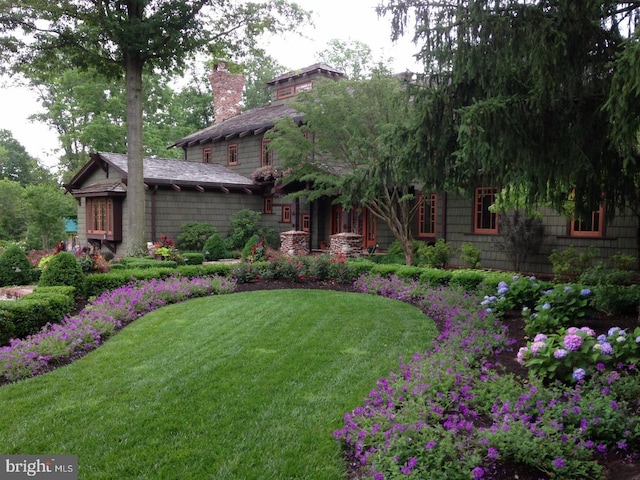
column 129, row 263
column 192, row 258
column 97, row 283
column 7, row 330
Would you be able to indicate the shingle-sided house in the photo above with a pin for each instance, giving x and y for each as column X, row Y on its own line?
column 218, row 177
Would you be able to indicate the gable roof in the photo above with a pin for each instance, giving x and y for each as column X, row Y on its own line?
column 252, row 122
column 158, row 171
column 316, row 68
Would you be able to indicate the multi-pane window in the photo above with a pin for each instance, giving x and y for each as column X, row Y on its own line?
column 591, row 225
column 268, row 205
column 306, row 223
column 207, row 155
column 427, row 210
column 99, row 215
column 232, row 154
column 286, row 213
column 484, row 220
column 267, row 156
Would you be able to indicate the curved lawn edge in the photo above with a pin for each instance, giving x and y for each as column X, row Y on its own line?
column 58, row 344
column 249, row 385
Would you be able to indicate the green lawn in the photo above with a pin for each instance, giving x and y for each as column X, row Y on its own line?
column 242, row 386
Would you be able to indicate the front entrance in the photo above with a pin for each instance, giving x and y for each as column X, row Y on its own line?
column 360, row 221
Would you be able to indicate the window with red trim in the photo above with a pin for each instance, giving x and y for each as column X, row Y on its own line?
column 232, row 154
column 427, row 212
column 207, row 155
column 267, row 156
column 484, row 220
column 268, row 205
column 286, row 213
column 306, row 223
column 592, row 225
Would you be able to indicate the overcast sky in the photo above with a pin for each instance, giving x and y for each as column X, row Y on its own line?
column 341, row 19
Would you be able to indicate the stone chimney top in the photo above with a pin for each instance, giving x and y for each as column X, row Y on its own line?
column 227, row 92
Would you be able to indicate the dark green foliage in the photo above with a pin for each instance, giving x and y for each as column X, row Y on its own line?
column 7, row 329
column 616, row 299
column 437, row 255
column 15, row 268
column 508, row 95
column 214, row 248
column 100, row 282
column 221, row 269
column 599, row 274
column 434, row 276
column 192, row 258
column 193, row 236
column 568, row 264
column 254, row 249
column 30, row 315
column 467, row 280
column 244, row 225
column 470, row 255
column 64, row 269
column 246, row 272
column 128, row 263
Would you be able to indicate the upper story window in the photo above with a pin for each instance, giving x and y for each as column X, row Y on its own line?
column 303, row 87
column 232, row 154
column 285, row 92
column 591, row 225
column 484, row 220
column 267, row 156
column 427, row 211
column 207, row 155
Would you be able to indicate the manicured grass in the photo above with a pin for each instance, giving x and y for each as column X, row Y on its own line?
column 243, row 386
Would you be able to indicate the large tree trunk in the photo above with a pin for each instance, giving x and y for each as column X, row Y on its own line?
column 135, row 185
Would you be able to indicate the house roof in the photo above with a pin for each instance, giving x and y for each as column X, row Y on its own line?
column 317, row 68
column 157, row 171
column 252, row 122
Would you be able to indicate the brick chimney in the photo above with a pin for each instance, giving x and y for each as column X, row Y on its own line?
column 227, row 92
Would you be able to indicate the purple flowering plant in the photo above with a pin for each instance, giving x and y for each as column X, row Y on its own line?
column 450, row 412
column 107, row 313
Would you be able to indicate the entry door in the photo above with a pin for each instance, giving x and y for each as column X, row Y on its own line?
column 362, row 222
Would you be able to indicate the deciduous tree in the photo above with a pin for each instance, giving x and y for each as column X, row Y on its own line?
column 348, row 144
column 123, row 37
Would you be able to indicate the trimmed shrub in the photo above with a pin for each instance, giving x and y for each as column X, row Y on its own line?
column 29, row 316
column 15, row 268
column 6, row 326
column 210, row 270
column 129, row 263
column 192, row 258
column 253, row 251
column 434, row 276
column 193, row 236
column 470, row 255
column 616, row 299
column 64, row 269
column 214, row 248
column 467, row 280
column 101, row 282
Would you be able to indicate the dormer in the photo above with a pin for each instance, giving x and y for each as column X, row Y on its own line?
column 287, row 86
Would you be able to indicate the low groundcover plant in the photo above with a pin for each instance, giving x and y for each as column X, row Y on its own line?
column 452, row 413
column 110, row 311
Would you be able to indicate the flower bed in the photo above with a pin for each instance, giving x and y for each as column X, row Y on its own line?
column 452, row 412
column 109, row 312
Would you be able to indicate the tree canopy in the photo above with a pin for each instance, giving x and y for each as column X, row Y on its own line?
column 17, row 165
column 347, row 148
column 527, row 93
column 115, row 38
